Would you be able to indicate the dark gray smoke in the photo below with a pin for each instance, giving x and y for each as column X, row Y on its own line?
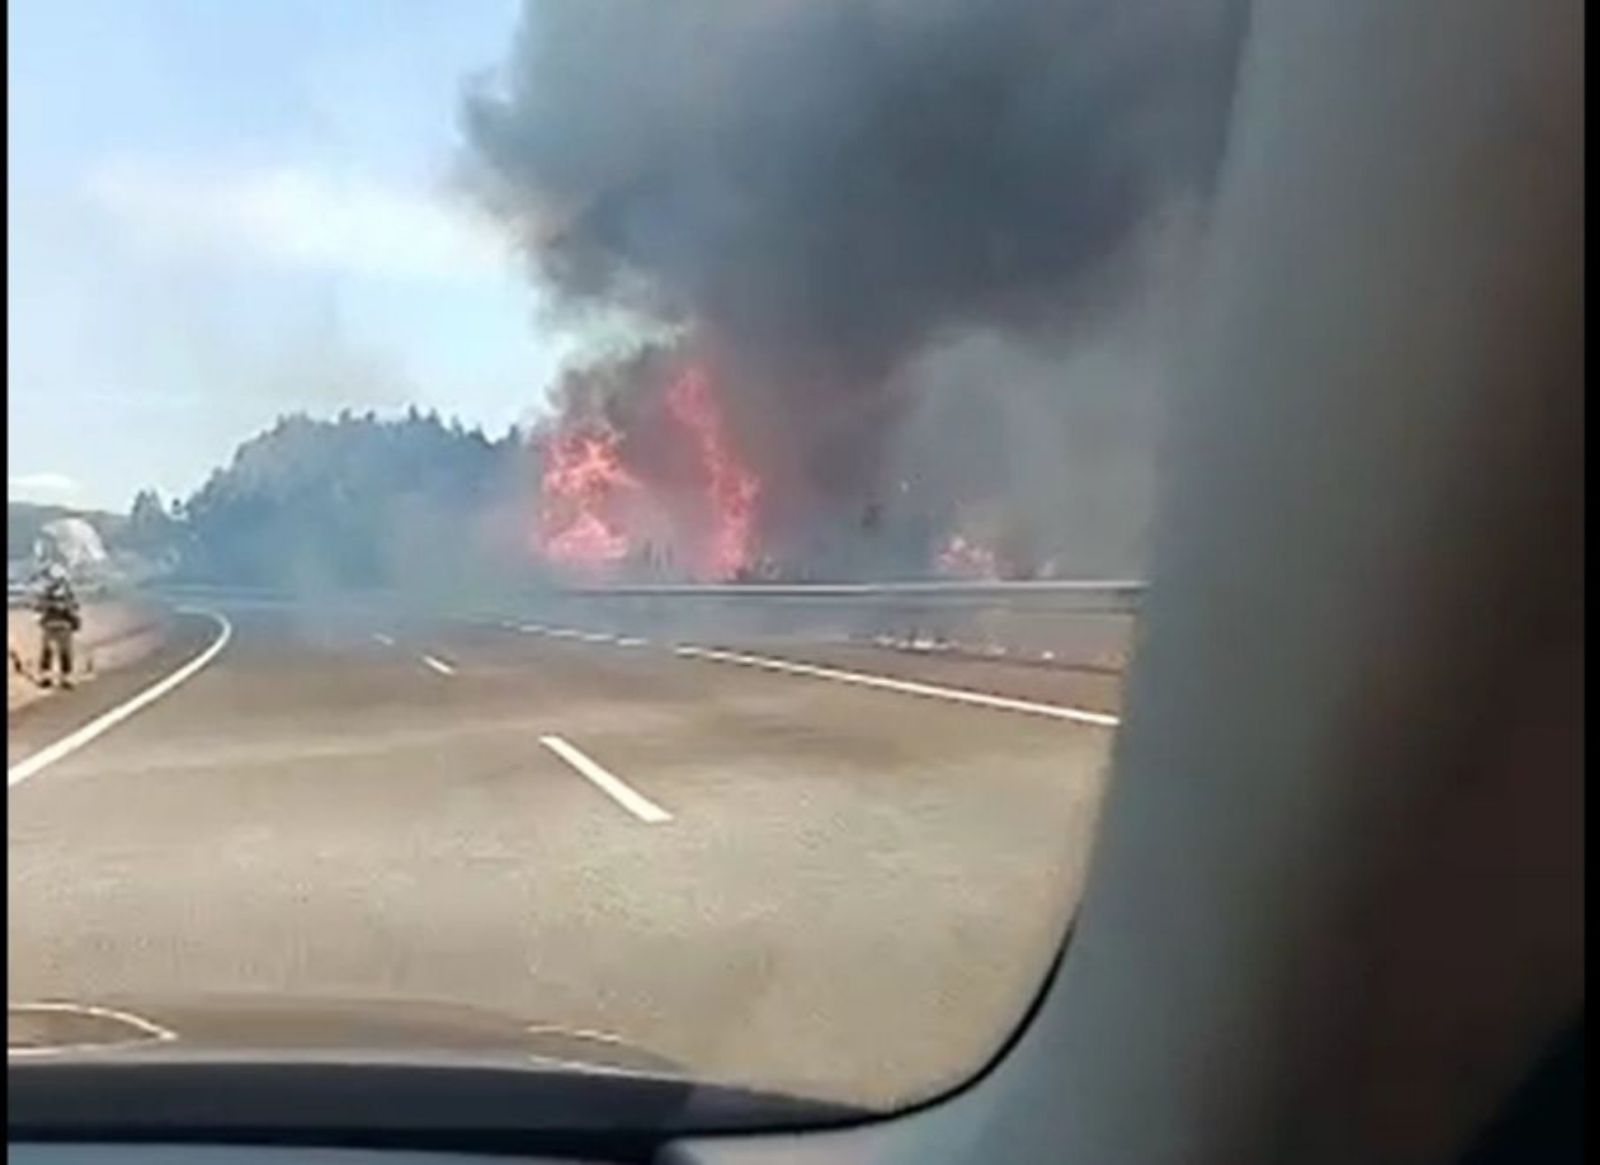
column 824, row 189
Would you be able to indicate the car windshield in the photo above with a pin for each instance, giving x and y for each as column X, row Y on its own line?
column 584, row 532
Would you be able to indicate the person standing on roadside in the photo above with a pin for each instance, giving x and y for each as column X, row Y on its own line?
column 59, row 621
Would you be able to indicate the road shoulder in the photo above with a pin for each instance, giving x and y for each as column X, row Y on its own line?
column 39, row 722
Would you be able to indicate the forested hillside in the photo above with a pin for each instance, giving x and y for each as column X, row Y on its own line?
column 358, row 502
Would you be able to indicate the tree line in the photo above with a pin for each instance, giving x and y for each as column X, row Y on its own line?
column 351, row 502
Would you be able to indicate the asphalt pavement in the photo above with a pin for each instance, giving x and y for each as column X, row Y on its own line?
column 824, row 871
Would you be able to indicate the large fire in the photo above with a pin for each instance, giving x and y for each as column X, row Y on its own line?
column 642, row 477
column 582, row 481
column 731, row 488
column 597, row 512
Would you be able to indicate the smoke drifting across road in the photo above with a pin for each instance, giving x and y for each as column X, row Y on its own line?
column 825, row 194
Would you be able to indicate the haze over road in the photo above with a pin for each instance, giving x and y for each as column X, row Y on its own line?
column 776, row 877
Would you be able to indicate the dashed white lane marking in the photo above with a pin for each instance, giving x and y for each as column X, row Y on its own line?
column 383, row 639
column 39, row 761
column 596, row 637
column 908, row 687
column 439, row 665
column 631, row 642
column 611, row 785
column 561, row 633
column 532, row 629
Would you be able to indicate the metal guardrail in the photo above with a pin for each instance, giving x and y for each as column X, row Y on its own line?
column 19, row 595
column 1119, row 588
column 1126, row 591
column 1073, row 622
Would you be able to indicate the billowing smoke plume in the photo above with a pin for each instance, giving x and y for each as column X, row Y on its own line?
column 822, row 192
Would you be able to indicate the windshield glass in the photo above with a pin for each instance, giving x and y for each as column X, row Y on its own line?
column 597, row 531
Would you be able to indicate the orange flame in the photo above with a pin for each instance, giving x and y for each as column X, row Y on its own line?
column 582, row 478
column 731, row 487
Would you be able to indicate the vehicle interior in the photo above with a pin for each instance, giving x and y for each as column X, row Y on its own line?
column 1334, row 910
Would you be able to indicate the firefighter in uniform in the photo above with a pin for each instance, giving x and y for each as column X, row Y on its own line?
column 59, row 620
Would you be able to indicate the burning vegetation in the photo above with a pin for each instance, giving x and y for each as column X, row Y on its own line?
column 836, row 203
column 583, row 487
column 691, row 516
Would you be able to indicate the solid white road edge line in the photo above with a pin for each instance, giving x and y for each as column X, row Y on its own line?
column 439, row 665
column 908, row 687
column 37, row 762
column 614, row 787
column 150, row 1030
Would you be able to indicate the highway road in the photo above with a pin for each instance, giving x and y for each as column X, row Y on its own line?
column 821, row 870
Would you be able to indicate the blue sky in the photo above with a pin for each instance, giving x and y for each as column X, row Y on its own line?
column 220, row 210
